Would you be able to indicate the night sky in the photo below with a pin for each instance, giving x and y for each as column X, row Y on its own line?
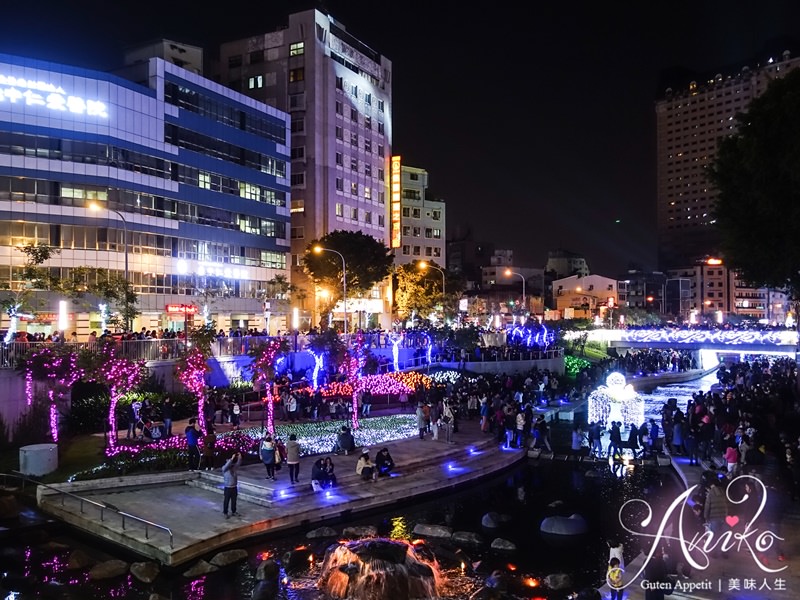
column 535, row 120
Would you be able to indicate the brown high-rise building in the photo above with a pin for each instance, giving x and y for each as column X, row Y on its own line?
column 690, row 121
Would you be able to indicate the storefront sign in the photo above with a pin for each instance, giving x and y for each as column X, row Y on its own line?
column 181, row 309
column 17, row 90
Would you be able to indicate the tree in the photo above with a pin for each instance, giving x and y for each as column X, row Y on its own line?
column 758, row 203
column 416, row 291
column 367, row 260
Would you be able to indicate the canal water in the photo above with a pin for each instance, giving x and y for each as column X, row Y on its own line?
column 35, row 564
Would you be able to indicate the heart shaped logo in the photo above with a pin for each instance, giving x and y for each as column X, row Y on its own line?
column 732, row 520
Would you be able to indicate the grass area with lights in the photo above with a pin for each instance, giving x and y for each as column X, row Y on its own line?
column 315, row 437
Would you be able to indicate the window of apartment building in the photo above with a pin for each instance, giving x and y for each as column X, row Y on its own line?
column 234, row 61
column 339, row 159
column 406, row 212
column 415, row 231
column 368, row 99
column 339, row 209
column 354, row 188
column 429, row 232
column 436, row 215
column 354, row 115
column 354, row 91
column 380, row 128
column 204, row 180
column 406, row 230
column 298, row 152
column 368, row 122
column 296, row 100
column 353, row 138
column 298, row 74
column 339, row 184
column 437, row 233
column 367, row 193
column 354, row 213
column 416, row 251
column 380, row 150
column 415, row 213
column 380, row 175
column 298, row 233
column 298, row 179
column 380, row 220
column 368, row 169
column 428, row 251
column 298, row 205
column 367, row 146
column 368, row 217
column 353, row 163
column 437, row 252
column 256, row 82
column 340, row 83
column 339, row 108
column 297, row 49
column 406, row 250
column 256, row 56
column 381, row 197
column 339, row 133
column 298, row 125
column 380, row 105
column 413, row 176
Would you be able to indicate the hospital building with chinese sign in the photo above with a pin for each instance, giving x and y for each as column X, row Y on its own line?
column 153, row 173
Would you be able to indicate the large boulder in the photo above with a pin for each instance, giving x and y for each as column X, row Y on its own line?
column 228, row 557
column 433, row 531
column 268, row 570
column 363, row 531
column 198, row 570
column 322, row 532
column 467, row 538
column 572, row 525
column 493, row 520
column 79, row 560
column 505, row 545
column 108, row 570
column 558, row 581
column 268, row 585
column 146, row 572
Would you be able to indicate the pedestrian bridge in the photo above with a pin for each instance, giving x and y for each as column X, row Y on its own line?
column 708, row 343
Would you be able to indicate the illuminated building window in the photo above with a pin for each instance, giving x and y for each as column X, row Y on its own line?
column 297, row 75
column 367, row 193
column 204, row 180
column 354, row 188
column 339, row 209
column 298, row 205
column 296, row 49
column 256, row 82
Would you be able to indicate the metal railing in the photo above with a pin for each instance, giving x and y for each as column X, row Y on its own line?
column 102, row 506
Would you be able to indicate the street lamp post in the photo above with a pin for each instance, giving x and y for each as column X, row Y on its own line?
column 426, row 265
column 509, row 273
column 95, row 207
column 317, row 250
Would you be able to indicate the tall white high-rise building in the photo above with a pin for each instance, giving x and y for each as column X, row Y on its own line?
column 338, row 92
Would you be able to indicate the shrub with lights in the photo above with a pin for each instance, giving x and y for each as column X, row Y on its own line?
column 263, row 366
